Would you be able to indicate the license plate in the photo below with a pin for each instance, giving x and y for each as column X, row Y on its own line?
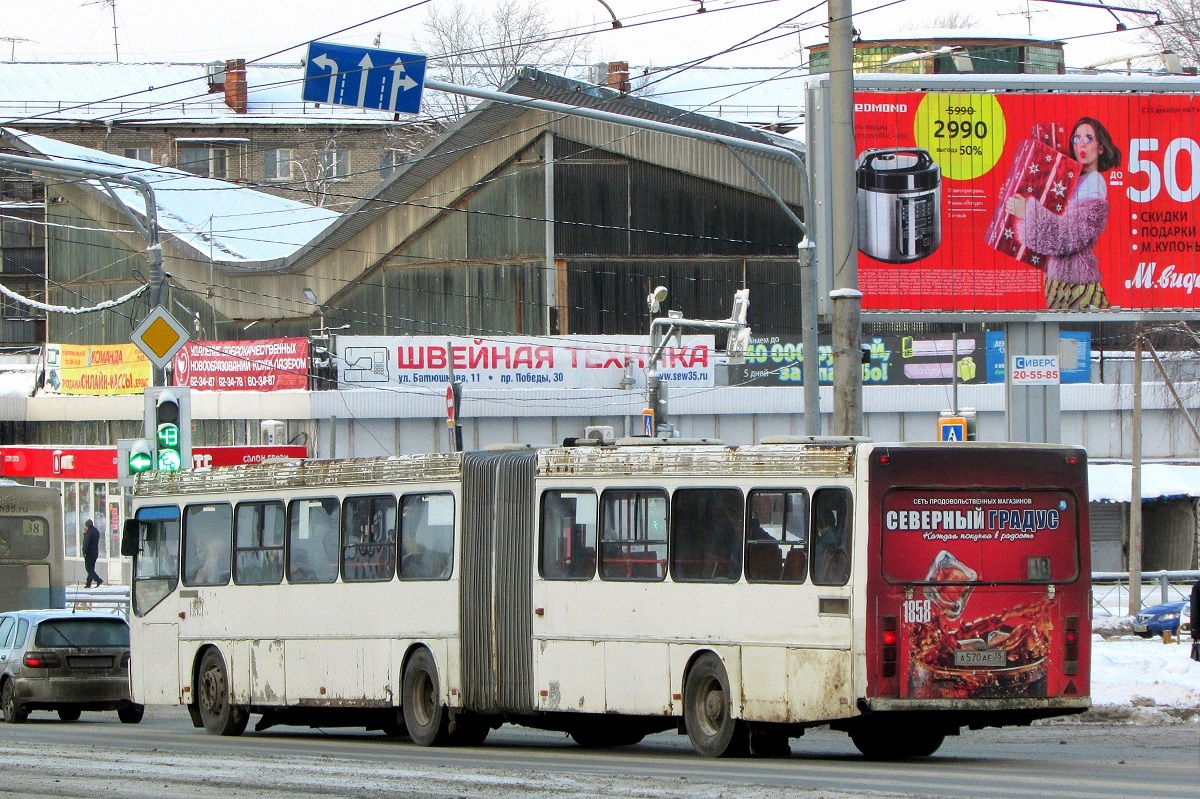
column 1139, row 628
column 981, row 658
column 90, row 661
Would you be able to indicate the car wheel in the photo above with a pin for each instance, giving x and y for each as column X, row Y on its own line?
column 604, row 738
column 884, row 741
column 69, row 713
column 219, row 714
column 131, row 714
column 707, row 712
column 426, row 718
column 10, row 705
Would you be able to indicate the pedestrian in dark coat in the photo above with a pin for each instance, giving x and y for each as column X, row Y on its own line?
column 91, row 553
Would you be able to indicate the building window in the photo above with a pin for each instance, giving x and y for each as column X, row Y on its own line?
column 335, row 164
column 140, row 154
column 277, row 164
column 389, row 162
column 205, row 160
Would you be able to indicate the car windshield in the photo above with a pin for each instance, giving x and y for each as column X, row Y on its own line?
column 82, row 632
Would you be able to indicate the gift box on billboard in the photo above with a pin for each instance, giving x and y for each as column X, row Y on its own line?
column 1039, row 173
column 1052, row 134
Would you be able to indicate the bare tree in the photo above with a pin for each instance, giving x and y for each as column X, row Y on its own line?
column 481, row 48
column 954, row 20
column 1180, row 31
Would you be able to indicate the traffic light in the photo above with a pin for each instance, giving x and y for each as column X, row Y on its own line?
column 167, row 435
column 141, row 456
column 168, row 423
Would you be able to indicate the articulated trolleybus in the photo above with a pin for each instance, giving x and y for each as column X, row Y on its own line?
column 738, row 594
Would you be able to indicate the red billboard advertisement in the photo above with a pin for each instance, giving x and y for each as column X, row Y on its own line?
column 100, row 463
column 1023, row 201
column 270, row 364
column 969, row 559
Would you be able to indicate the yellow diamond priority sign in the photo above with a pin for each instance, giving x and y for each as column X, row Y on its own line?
column 160, row 336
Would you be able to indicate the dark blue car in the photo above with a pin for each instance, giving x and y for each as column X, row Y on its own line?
column 1158, row 619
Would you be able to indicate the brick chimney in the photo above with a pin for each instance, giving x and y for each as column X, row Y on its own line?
column 235, row 84
column 617, row 76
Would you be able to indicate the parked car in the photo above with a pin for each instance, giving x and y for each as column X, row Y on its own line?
column 1158, row 619
column 66, row 662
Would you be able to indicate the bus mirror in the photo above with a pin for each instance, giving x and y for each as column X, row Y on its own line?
column 129, row 538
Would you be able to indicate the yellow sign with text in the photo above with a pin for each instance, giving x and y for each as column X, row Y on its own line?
column 98, row 370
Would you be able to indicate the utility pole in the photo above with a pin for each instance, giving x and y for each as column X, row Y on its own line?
column 1135, row 494
column 847, row 299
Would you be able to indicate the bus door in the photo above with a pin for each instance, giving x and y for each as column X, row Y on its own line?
column 25, row 573
column 152, row 538
column 973, row 593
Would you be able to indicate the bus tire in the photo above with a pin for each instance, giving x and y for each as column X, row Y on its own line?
column 219, row 714
column 10, row 705
column 708, row 712
column 424, row 714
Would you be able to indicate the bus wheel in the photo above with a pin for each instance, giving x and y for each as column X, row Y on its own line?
column 426, row 718
column 13, row 712
column 220, row 716
column 711, row 727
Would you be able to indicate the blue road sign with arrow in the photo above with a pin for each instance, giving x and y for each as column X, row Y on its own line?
column 338, row 74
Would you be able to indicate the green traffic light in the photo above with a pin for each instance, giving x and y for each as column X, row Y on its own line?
column 139, row 462
column 168, row 436
column 169, row 460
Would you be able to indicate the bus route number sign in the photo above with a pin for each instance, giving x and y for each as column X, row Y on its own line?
column 1034, row 370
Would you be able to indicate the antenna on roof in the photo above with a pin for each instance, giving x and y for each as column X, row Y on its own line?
column 113, row 5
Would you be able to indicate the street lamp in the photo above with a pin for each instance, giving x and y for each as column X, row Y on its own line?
column 312, row 297
column 616, row 22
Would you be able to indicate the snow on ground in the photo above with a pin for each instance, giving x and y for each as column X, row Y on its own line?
column 1127, row 670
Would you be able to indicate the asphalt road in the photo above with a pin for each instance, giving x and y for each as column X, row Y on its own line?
column 165, row 757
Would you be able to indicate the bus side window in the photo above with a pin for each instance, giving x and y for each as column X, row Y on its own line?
column 568, row 535
column 426, row 536
column 207, row 544
column 312, row 548
column 706, row 535
column 258, row 543
column 777, row 537
column 369, row 538
column 832, row 529
column 633, row 535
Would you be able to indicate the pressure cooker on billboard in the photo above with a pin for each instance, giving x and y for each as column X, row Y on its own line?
column 1058, row 197
column 899, row 204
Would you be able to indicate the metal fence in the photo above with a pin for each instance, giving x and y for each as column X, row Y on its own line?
column 112, row 599
column 1110, row 590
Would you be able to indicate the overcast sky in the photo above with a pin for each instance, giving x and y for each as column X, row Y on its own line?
column 150, row 30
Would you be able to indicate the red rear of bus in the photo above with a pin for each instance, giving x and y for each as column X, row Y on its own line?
column 979, row 587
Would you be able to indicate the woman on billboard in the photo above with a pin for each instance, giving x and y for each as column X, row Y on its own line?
column 1073, row 270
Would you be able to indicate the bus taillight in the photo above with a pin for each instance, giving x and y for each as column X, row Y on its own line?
column 1071, row 645
column 890, row 638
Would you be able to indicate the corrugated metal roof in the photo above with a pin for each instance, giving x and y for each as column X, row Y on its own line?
column 483, row 123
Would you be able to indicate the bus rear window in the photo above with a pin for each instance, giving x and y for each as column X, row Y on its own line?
column 980, row 536
column 24, row 537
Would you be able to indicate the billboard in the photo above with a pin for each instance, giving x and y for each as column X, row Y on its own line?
column 1027, row 201
column 517, row 362
column 270, row 364
column 97, row 370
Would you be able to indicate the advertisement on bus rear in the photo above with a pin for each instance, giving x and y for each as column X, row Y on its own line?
column 1024, row 201
column 977, row 619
